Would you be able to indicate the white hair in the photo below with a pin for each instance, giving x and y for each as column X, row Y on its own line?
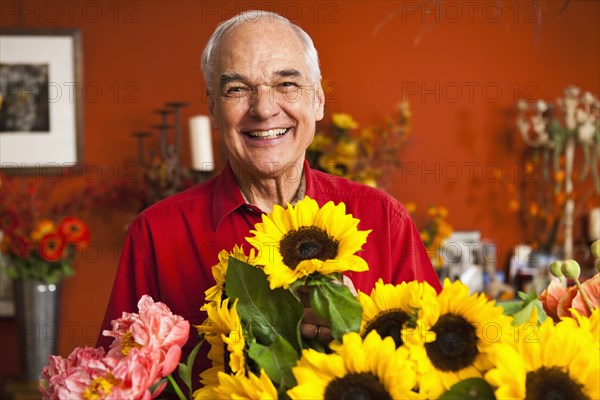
column 310, row 52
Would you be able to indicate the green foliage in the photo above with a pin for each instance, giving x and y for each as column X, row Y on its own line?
column 522, row 309
column 277, row 360
column 334, row 302
column 36, row 268
column 269, row 313
column 472, row 388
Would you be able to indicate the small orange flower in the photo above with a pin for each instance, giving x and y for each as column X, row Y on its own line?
column 559, row 176
column 51, row 247
column 442, row 212
column 74, row 230
column 432, row 211
column 411, row 207
column 43, row 227
column 529, row 168
column 513, row 205
column 534, row 209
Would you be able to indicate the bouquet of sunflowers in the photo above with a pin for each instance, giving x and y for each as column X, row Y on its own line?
column 398, row 342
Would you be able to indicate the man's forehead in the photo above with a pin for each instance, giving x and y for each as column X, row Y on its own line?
column 246, row 52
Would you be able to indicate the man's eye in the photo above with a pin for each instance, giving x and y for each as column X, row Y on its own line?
column 288, row 86
column 235, row 91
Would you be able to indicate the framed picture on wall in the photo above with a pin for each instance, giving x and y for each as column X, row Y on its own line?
column 40, row 104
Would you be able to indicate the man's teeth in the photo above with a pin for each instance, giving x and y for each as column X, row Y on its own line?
column 271, row 133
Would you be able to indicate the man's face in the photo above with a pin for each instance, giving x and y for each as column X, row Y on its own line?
column 264, row 101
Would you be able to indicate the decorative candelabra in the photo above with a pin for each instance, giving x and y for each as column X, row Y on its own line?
column 558, row 130
column 162, row 172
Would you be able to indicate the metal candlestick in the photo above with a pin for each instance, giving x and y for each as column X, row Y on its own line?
column 141, row 135
column 177, row 105
column 163, row 127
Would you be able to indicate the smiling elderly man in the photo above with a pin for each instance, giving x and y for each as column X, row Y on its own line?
column 263, row 79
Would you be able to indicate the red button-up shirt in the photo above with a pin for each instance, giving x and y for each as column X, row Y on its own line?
column 171, row 246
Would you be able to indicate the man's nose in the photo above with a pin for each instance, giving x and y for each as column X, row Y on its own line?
column 263, row 103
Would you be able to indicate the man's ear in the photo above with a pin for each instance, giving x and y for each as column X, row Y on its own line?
column 319, row 102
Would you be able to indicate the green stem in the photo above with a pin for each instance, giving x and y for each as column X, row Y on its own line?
column 586, row 300
column 176, row 387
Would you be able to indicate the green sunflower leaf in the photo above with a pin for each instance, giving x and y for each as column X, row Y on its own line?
column 269, row 313
column 472, row 388
column 277, row 360
column 334, row 302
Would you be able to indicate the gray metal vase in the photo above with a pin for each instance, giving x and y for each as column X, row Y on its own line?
column 36, row 306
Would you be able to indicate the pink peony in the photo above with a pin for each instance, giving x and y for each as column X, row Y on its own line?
column 69, row 378
column 146, row 348
column 135, row 375
column 155, row 328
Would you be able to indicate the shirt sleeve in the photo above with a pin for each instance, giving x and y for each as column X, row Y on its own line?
column 136, row 276
column 411, row 260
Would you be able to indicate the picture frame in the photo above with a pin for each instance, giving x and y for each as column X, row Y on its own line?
column 41, row 122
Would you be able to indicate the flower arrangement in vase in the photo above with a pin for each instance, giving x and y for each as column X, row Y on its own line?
column 37, row 246
column 363, row 155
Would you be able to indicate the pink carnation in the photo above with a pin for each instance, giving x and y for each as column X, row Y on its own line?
column 155, row 328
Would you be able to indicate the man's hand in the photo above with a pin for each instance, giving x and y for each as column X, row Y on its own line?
column 313, row 326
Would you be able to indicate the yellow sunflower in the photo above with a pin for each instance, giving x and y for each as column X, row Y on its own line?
column 303, row 239
column 390, row 307
column 369, row 368
column 547, row 362
column 240, row 386
column 589, row 324
column 223, row 331
column 454, row 338
column 219, row 271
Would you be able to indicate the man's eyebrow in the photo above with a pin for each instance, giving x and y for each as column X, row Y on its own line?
column 236, row 77
column 288, row 73
column 230, row 77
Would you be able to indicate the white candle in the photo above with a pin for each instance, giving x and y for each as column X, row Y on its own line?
column 201, row 143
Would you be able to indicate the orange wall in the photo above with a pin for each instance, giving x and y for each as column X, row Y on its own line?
column 461, row 66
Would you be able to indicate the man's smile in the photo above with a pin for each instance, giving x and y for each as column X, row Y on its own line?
column 268, row 134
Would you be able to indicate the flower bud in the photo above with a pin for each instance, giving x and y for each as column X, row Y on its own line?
column 596, row 249
column 555, row 268
column 571, row 269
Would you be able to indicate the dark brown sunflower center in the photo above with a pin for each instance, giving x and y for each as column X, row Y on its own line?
column 389, row 324
column 552, row 384
column 226, row 359
column 357, row 386
column 307, row 243
column 455, row 346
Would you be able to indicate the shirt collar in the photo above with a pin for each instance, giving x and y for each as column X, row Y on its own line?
column 227, row 196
